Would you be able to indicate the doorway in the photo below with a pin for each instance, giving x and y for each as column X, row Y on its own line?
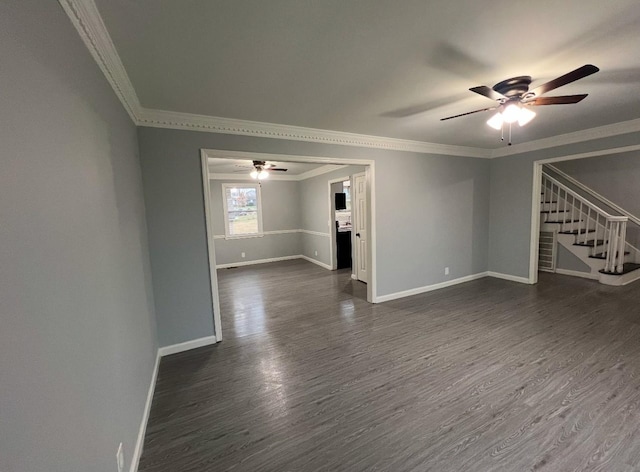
column 367, row 253
column 536, row 204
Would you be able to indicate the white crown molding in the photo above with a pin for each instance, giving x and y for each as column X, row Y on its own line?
column 600, row 132
column 213, row 124
column 86, row 18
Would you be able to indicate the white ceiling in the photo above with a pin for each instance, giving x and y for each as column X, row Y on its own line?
column 243, row 167
column 363, row 67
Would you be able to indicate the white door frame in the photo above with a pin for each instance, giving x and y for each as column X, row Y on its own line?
column 213, row 275
column 369, row 164
column 535, row 198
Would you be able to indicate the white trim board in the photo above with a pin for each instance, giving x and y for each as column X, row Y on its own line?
column 615, row 129
column 316, row 262
column 137, row 451
column 216, row 124
column 450, row 283
column 258, row 261
column 429, row 288
column 271, row 233
column 87, row 20
column 512, row 278
column 575, row 273
column 325, row 169
column 273, row 259
column 211, row 252
column 186, row 346
column 315, row 233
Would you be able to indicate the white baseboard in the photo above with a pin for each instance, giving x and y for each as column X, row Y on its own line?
column 429, row 288
column 137, row 452
column 258, row 261
column 354, row 276
column 181, row 347
column 321, row 264
column 512, row 278
column 575, row 273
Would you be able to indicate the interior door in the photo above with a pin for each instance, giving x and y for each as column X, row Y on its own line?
column 361, row 240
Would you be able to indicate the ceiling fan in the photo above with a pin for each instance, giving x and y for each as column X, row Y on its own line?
column 514, row 98
column 261, row 169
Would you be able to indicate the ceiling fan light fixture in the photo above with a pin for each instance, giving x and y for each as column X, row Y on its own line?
column 496, row 121
column 263, row 174
column 526, row 115
column 511, row 113
column 254, row 174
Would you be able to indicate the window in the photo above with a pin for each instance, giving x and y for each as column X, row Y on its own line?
column 242, row 210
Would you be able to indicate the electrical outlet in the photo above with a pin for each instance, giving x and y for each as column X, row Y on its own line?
column 242, row 254
column 316, row 253
column 446, row 271
column 120, row 458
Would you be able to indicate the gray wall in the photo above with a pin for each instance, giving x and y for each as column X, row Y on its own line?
column 569, row 261
column 511, row 189
column 77, row 343
column 616, row 177
column 280, row 211
column 432, row 209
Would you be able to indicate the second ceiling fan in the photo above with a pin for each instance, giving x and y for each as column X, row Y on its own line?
column 261, row 169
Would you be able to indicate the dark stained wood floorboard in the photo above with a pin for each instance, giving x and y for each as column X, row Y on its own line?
column 486, row 376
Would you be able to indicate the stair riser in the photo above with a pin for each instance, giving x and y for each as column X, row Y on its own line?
column 627, row 258
column 550, row 207
column 578, row 225
column 544, row 217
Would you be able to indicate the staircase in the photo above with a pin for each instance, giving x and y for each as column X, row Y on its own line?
column 592, row 234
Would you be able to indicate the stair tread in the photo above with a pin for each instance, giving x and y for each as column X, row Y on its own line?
column 575, row 231
column 603, row 255
column 554, row 211
column 564, row 221
column 626, row 268
column 591, row 243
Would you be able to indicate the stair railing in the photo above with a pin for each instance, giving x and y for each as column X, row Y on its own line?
column 611, row 229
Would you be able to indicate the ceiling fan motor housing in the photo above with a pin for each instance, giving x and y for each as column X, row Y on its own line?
column 513, row 87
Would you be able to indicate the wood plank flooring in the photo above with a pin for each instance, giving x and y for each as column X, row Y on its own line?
column 486, row 376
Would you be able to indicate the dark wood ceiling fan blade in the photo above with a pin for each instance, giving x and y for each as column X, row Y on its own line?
column 277, row 169
column 488, row 92
column 468, row 113
column 579, row 73
column 562, row 100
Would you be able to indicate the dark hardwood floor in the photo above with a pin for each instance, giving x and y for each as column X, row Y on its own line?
column 486, row 376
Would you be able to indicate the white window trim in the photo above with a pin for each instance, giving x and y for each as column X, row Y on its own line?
column 260, row 232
